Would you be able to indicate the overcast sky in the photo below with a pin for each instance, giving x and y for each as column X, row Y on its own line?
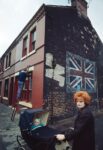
column 15, row 14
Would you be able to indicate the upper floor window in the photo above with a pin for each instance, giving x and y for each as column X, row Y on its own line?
column 8, row 60
column 32, row 39
column 1, row 67
column 24, row 51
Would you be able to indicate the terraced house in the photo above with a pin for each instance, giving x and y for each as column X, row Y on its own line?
column 63, row 53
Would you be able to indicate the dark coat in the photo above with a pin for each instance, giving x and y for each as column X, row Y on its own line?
column 22, row 76
column 83, row 135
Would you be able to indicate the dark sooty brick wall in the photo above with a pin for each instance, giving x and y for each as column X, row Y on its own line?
column 66, row 31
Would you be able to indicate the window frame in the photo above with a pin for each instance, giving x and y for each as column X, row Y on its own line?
column 27, row 89
column 8, row 60
column 24, row 50
column 32, row 40
column 6, row 91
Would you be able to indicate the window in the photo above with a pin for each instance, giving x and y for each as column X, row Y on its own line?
column 1, row 67
column 8, row 60
column 30, row 81
column 30, row 85
column 24, row 51
column 27, row 89
column 0, row 87
column 32, row 39
column 6, row 87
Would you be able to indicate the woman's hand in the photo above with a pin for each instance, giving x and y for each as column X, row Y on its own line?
column 60, row 137
column 71, row 128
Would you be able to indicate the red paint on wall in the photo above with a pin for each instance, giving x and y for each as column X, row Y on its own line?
column 37, row 86
column 15, row 91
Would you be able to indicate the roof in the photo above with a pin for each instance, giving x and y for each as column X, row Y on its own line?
column 41, row 11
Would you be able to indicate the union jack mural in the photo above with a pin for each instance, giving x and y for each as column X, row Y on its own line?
column 80, row 73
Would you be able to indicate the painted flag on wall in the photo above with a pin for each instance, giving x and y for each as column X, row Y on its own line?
column 80, row 73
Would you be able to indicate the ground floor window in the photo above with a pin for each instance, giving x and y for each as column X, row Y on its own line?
column 6, row 87
column 27, row 89
column 0, row 87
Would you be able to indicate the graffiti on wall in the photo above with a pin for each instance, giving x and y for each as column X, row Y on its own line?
column 80, row 73
column 57, row 73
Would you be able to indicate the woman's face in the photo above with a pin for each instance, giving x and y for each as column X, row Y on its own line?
column 80, row 103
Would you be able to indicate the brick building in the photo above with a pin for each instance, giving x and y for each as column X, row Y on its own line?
column 63, row 53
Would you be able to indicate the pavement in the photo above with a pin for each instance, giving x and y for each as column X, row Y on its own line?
column 10, row 129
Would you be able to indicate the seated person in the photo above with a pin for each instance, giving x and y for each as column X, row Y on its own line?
column 36, row 124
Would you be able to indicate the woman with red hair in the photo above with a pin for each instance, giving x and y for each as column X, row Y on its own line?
column 83, row 135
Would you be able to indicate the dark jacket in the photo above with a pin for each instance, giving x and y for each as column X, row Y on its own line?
column 83, row 135
column 22, row 76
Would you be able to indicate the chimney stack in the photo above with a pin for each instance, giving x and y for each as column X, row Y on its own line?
column 81, row 6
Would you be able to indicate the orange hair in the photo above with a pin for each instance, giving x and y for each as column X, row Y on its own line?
column 84, row 95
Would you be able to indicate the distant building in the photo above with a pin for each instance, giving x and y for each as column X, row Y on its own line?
column 64, row 54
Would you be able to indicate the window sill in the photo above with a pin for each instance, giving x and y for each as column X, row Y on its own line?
column 32, row 52
column 6, row 98
column 7, row 68
column 16, row 74
column 27, row 90
column 31, row 68
column 24, row 57
column 25, row 104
